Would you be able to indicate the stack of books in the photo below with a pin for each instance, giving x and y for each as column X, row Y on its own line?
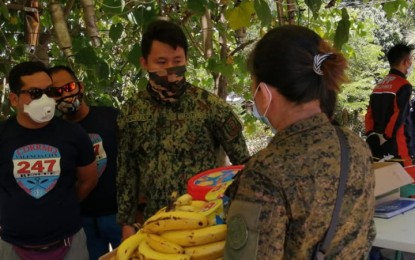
column 395, row 207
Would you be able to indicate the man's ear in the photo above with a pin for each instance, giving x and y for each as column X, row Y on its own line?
column 143, row 63
column 265, row 92
column 407, row 62
column 13, row 99
column 81, row 87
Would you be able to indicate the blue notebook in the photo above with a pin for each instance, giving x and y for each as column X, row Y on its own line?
column 393, row 208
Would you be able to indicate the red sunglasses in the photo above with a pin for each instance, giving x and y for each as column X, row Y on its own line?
column 68, row 87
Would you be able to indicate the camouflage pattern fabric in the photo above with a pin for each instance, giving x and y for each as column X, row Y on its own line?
column 162, row 145
column 293, row 184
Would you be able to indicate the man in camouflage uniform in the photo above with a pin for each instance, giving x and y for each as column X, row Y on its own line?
column 171, row 131
column 282, row 201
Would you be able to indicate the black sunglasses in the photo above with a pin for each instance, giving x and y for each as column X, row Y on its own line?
column 68, row 87
column 36, row 93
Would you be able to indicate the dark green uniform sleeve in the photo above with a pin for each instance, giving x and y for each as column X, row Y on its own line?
column 228, row 130
column 128, row 175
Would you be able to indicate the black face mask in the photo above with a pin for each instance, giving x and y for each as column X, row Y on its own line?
column 69, row 105
column 168, row 84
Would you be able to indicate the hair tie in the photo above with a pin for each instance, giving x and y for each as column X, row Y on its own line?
column 318, row 60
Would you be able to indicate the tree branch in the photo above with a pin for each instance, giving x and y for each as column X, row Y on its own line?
column 241, row 47
column 68, row 7
column 22, row 7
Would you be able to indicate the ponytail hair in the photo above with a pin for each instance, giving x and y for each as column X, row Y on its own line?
column 300, row 64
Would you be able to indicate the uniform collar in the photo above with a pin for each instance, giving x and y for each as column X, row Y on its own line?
column 397, row 72
column 301, row 126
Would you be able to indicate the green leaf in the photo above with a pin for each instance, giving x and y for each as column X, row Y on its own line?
column 86, row 56
column 102, row 70
column 112, row 6
column 391, row 8
column 141, row 84
column 212, row 64
column 4, row 12
column 197, row 7
column 219, row 66
column 342, row 31
column 263, row 11
column 145, row 14
column 134, row 56
column 20, row 50
column 115, row 32
column 225, row 69
column 79, row 42
column 240, row 16
column 314, row 6
column 4, row 69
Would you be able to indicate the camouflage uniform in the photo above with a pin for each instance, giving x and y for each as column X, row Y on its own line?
column 283, row 201
column 164, row 144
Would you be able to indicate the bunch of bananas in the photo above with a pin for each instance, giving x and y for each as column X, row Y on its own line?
column 181, row 231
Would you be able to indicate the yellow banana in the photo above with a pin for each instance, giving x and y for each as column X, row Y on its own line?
column 195, row 206
column 207, row 251
column 146, row 252
column 198, row 203
column 187, row 208
column 185, row 199
column 126, row 249
column 196, row 237
column 163, row 245
column 135, row 255
column 174, row 220
column 161, row 210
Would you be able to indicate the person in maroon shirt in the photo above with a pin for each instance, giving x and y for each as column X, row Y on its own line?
column 387, row 128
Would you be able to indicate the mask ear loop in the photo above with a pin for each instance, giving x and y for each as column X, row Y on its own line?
column 256, row 91
column 270, row 97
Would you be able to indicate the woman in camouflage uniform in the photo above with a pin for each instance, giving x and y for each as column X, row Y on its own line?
column 282, row 202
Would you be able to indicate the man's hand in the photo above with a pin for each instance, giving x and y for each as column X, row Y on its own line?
column 127, row 231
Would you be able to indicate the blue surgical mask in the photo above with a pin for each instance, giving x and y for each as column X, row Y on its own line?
column 256, row 113
column 261, row 118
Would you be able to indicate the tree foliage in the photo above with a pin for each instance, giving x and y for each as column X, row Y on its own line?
column 220, row 33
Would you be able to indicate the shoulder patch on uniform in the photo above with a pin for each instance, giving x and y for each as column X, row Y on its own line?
column 237, row 235
column 232, row 127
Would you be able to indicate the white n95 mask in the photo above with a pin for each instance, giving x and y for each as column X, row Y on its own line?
column 41, row 110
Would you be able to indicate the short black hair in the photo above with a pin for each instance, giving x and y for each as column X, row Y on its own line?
column 166, row 32
column 26, row 68
column 58, row 68
column 398, row 53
